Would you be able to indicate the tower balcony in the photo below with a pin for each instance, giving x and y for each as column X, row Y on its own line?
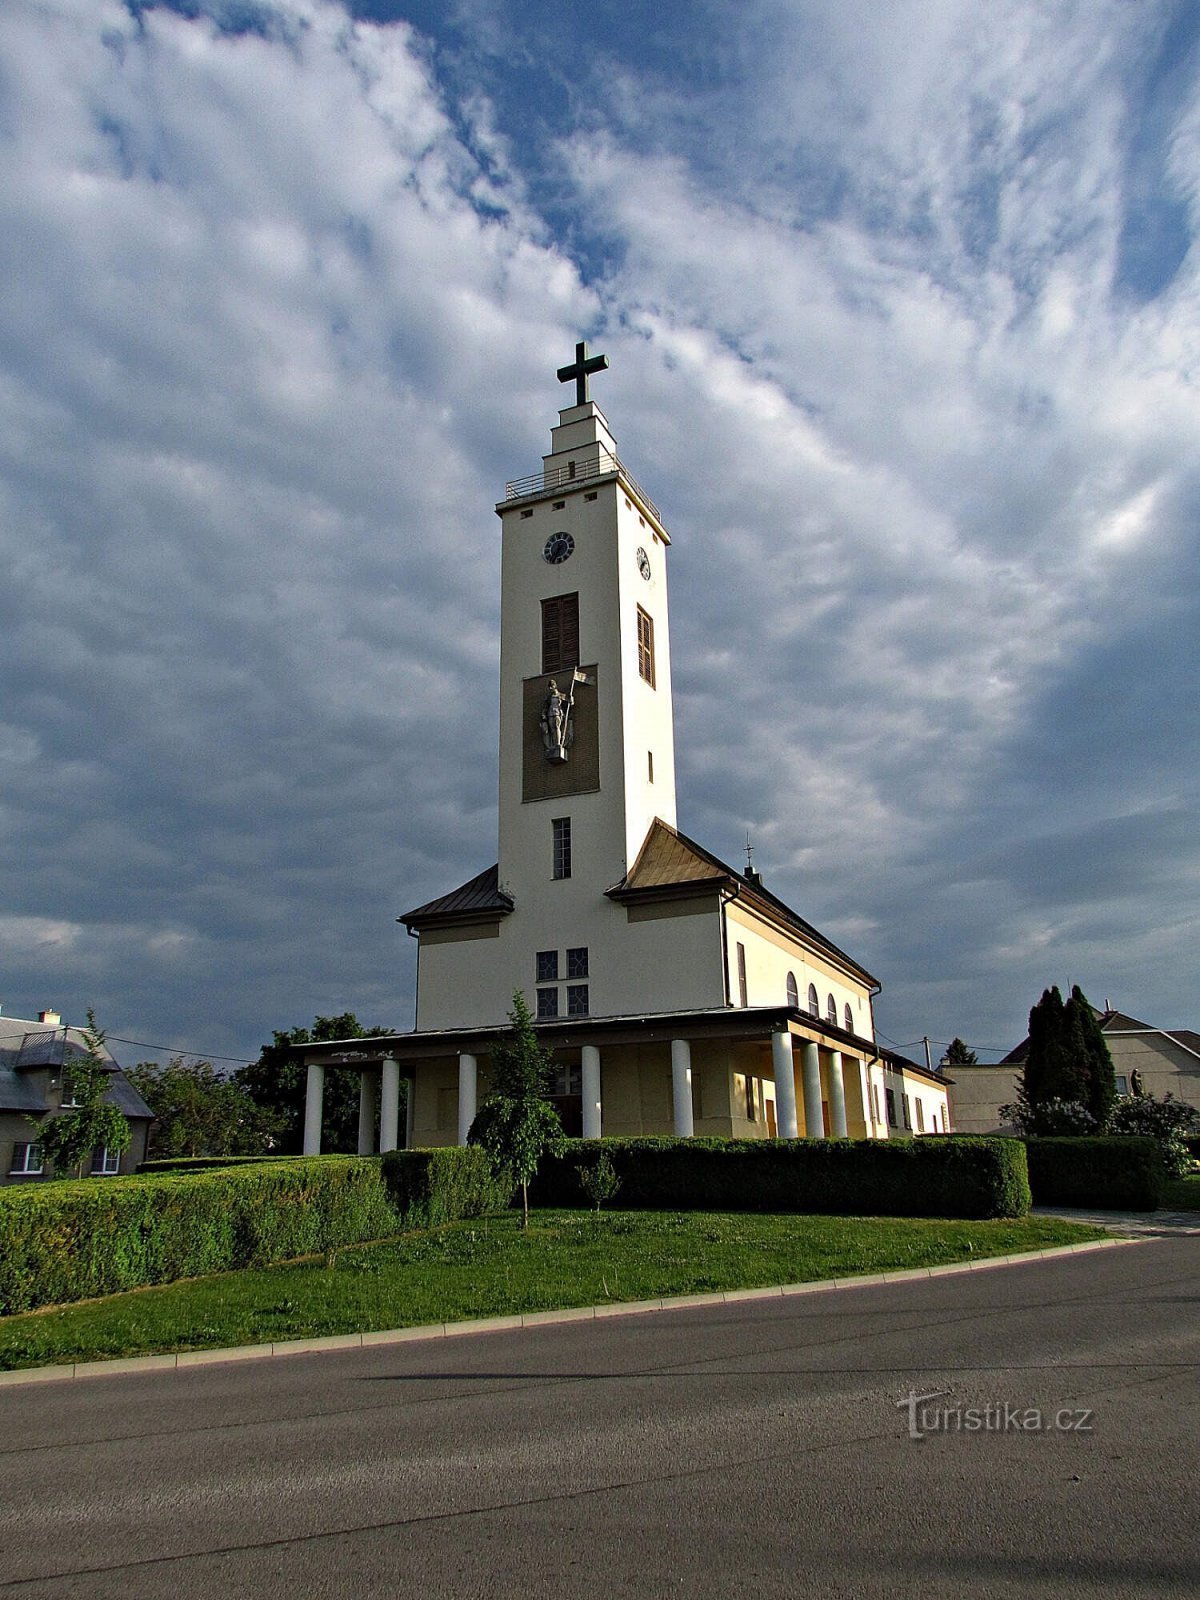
column 584, row 467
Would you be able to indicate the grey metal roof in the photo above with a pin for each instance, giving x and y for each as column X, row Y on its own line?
column 481, row 894
column 27, row 1047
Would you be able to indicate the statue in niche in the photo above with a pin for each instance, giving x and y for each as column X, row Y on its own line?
column 558, row 731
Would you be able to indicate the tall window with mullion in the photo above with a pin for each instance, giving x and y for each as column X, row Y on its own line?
column 561, row 828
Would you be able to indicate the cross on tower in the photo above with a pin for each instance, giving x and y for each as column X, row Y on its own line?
column 580, row 369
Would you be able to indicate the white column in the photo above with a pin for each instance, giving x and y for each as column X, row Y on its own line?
column 467, row 1084
column 367, row 1084
column 589, row 1073
column 810, row 1066
column 389, row 1105
column 681, row 1087
column 785, row 1085
column 314, row 1108
column 837, row 1096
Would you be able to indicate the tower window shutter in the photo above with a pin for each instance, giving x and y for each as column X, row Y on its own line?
column 560, row 632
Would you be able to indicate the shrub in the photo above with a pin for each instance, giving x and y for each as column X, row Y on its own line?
column 73, row 1240
column 1168, row 1121
column 598, row 1179
column 931, row 1177
column 1112, row 1173
column 428, row 1187
column 204, row 1163
column 1049, row 1118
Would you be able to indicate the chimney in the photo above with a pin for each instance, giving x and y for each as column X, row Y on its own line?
column 752, row 875
column 50, row 1018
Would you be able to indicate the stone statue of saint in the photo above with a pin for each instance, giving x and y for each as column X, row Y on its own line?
column 555, row 723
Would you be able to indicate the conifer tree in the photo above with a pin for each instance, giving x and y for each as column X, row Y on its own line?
column 1101, row 1079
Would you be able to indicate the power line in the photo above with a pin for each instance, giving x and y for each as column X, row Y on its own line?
column 177, row 1050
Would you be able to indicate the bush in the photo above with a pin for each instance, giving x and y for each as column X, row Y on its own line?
column 73, row 1240
column 1113, row 1173
column 931, row 1177
column 428, row 1187
column 1168, row 1121
column 204, row 1163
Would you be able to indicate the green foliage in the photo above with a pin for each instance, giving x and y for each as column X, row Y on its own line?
column 200, row 1113
column 1169, row 1122
column 429, row 1187
column 68, row 1138
column 958, row 1055
column 277, row 1081
column 1068, row 1061
column 516, row 1124
column 1049, row 1118
column 1115, row 1174
column 202, row 1163
column 957, row 1176
column 71, row 1241
column 598, row 1179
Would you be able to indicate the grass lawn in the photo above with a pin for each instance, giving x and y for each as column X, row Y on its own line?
column 1183, row 1194
column 489, row 1268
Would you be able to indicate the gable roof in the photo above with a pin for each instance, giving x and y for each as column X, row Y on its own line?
column 670, row 864
column 29, row 1047
column 1115, row 1022
column 480, row 899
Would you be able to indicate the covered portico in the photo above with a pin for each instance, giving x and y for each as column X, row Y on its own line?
column 762, row 1072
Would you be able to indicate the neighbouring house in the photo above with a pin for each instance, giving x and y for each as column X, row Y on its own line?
column 676, row 993
column 1145, row 1060
column 35, row 1083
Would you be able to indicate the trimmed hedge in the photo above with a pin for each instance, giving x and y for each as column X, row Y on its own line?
column 204, row 1163
column 1110, row 1172
column 964, row 1177
column 428, row 1187
column 74, row 1240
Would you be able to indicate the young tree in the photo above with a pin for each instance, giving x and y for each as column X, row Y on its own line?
column 276, row 1082
column 200, row 1113
column 69, row 1138
column 958, row 1055
column 516, row 1124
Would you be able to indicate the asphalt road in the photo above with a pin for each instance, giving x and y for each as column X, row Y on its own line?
column 752, row 1449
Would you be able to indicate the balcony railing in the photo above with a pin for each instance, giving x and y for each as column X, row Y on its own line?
column 584, row 468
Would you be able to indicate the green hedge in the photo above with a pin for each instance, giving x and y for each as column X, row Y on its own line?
column 73, row 1240
column 428, row 1187
column 1113, row 1172
column 964, row 1177
column 205, row 1163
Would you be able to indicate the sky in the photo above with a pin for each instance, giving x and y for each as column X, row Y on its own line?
column 901, row 308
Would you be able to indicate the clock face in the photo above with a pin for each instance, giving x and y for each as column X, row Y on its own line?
column 557, row 548
column 643, row 561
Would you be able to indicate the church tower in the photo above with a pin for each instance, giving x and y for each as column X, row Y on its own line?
column 587, row 746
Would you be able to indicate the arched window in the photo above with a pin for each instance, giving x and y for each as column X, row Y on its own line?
column 848, row 1018
column 793, row 993
column 814, row 1005
column 831, row 1010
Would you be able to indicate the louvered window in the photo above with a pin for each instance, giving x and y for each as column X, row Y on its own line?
column 560, row 632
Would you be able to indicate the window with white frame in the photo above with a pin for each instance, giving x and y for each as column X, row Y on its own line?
column 848, row 1018
column 831, row 1010
column 26, row 1160
column 105, row 1162
column 793, row 993
column 561, row 833
column 814, row 1005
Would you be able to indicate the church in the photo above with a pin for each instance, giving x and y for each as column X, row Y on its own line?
column 677, row 994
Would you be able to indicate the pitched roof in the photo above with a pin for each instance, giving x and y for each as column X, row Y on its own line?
column 669, row 860
column 1113, row 1022
column 26, row 1047
column 477, row 900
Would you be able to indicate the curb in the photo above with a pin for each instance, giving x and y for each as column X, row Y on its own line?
column 184, row 1360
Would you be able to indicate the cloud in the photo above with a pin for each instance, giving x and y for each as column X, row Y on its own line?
column 283, row 305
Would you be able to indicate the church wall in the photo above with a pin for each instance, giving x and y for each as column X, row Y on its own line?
column 771, row 954
column 668, row 965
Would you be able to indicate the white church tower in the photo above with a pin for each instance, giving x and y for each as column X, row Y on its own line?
column 675, row 993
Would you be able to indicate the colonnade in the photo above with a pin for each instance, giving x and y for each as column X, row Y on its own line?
column 380, row 1093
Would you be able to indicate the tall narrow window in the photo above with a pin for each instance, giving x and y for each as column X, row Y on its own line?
column 831, row 1010
column 793, row 994
column 741, row 961
column 848, row 1019
column 645, row 646
column 650, row 765
column 562, row 846
column 813, row 1003
column 560, row 632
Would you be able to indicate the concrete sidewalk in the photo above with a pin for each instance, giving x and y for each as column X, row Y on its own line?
column 1142, row 1224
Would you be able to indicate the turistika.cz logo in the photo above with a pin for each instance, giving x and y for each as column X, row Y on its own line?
column 994, row 1416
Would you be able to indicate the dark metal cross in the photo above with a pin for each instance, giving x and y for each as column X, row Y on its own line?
column 581, row 369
